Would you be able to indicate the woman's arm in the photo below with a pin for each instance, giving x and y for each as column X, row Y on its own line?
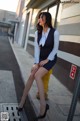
column 36, row 50
column 55, row 47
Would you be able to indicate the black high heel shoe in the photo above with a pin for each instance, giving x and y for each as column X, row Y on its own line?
column 19, row 109
column 43, row 116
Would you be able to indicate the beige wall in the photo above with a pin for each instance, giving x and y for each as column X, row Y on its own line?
column 69, row 29
column 70, row 17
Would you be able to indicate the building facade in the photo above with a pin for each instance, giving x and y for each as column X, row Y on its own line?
column 6, row 15
column 65, row 18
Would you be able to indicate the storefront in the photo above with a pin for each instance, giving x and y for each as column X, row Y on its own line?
column 66, row 18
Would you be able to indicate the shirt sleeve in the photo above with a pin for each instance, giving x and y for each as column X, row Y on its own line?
column 36, row 50
column 56, row 45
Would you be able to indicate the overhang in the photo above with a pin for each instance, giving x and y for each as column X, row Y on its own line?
column 37, row 3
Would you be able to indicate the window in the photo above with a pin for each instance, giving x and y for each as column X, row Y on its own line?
column 53, row 10
column 34, row 21
column 59, row 14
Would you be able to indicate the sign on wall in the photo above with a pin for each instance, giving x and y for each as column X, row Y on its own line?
column 73, row 71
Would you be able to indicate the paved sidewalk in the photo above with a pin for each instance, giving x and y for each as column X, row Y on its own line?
column 59, row 96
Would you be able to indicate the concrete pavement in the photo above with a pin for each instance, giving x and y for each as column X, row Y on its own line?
column 59, row 96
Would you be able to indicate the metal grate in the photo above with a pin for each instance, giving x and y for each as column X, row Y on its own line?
column 14, row 115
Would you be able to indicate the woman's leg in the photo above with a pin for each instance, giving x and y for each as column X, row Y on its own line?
column 38, row 77
column 27, row 88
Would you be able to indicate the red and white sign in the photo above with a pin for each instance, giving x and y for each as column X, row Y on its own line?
column 73, row 71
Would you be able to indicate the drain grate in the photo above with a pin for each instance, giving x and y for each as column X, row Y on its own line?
column 14, row 115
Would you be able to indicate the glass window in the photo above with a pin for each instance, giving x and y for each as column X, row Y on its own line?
column 59, row 14
column 52, row 10
column 33, row 21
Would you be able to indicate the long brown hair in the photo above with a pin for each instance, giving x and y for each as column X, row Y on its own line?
column 39, row 27
column 48, row 19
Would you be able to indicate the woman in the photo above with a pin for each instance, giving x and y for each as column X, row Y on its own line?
column 46, row 77
column 46, row 47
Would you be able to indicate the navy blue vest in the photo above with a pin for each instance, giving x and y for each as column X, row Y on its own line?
column 49, row 44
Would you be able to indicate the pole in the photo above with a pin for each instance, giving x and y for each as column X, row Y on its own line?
column 74, row 99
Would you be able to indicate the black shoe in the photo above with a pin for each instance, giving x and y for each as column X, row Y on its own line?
column 19, row 109
column 43, row 116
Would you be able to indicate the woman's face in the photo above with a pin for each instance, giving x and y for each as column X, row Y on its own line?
column 42, row 20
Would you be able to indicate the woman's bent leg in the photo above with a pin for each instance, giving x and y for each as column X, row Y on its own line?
column 38, row 77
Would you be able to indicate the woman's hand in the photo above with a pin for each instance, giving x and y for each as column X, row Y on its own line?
column 43, row 62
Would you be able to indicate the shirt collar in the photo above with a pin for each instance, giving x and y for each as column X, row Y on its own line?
column 44, row 37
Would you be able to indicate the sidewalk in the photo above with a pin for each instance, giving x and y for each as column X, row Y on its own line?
column 59, row 97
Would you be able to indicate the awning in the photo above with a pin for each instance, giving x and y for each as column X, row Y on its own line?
column 37, row 3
